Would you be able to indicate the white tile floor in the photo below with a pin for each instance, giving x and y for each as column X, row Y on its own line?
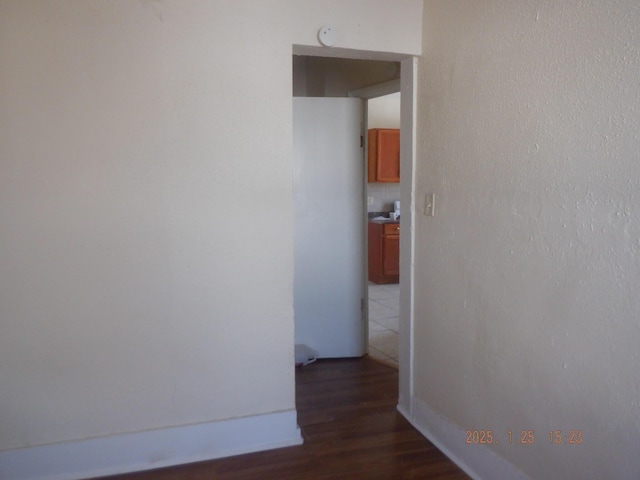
column 384, row 318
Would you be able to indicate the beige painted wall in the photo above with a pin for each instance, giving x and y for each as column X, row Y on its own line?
column 527, row 278
column 384, row 112
column 144, row 149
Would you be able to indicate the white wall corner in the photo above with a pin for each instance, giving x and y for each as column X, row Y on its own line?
column 404, row 405
column 478, row 461
column 408, row 121
column 151, row 449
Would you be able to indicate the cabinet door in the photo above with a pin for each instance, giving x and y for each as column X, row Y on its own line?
column 384, row 155
column 391, row 254
column 388, row 156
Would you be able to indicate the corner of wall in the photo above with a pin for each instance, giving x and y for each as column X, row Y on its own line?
column 478, row 461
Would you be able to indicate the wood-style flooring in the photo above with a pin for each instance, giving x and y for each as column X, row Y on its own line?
column 351, row 429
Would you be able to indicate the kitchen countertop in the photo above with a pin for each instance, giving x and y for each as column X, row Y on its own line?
column 386, row 220
column 373, row 215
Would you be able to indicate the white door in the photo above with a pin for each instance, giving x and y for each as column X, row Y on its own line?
column 329, row 225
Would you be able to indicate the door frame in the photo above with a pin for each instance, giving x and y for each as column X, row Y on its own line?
column 408, row 100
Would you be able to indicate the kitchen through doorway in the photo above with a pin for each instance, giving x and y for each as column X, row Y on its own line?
column 383, row 114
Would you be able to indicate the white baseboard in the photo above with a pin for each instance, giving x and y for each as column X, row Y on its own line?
column 478, row 461
column 151, row 449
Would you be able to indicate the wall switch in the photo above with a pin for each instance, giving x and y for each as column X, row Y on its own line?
column 369, row 200
column 430, row 204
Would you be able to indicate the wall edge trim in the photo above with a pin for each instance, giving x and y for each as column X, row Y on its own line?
column 477, row 461
column 151, row 449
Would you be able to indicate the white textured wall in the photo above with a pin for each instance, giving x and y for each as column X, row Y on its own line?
column 384, row 112
column 528, row 277
column 144, row 148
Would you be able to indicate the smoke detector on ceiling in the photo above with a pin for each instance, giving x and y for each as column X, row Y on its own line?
column 327, row 36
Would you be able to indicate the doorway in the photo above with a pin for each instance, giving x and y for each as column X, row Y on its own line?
column 314, row 75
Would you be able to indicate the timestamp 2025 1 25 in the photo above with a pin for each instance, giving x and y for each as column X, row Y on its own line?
column 523, row 437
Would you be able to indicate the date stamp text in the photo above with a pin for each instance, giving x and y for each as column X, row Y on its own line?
column 522, row 437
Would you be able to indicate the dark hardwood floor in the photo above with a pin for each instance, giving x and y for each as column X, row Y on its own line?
column 351, row 429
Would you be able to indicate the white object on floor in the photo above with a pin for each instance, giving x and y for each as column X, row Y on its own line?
column 305, row 355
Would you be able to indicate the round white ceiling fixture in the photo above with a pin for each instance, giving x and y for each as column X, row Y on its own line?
column 327, row 36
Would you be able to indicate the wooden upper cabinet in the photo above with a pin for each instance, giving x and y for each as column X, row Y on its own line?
column 384, row 155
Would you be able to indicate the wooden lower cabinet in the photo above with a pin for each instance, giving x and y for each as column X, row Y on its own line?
column 384, row 252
